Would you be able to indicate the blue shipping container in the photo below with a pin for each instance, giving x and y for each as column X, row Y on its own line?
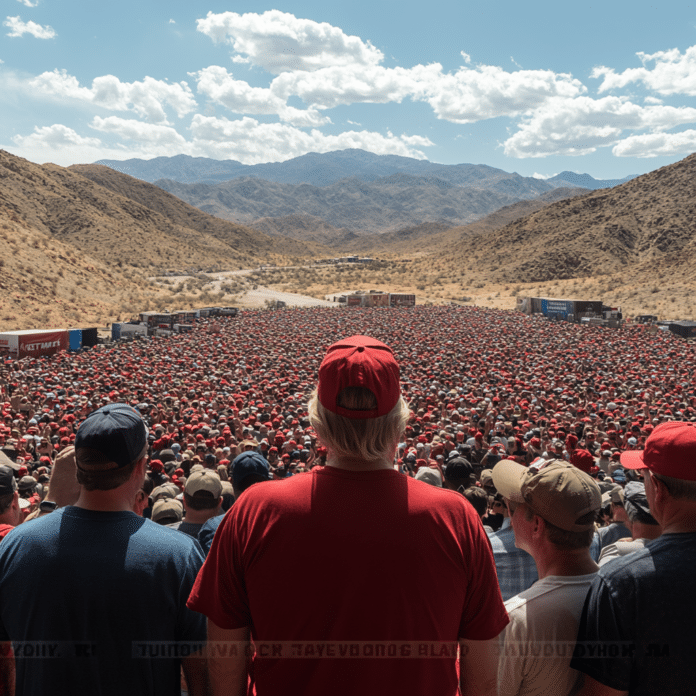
column 557, row 308
column 115, row 332
column 75, row 338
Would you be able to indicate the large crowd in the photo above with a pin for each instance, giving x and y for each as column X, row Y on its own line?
column 228, row 405
column 506, row 383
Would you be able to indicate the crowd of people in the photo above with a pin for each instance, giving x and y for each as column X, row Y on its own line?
column 465, row 371
column 228, row 406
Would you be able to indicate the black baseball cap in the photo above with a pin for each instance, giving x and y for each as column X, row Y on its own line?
column 458, row 469
column 248, row 463
column 8, row 483
column 115, row 430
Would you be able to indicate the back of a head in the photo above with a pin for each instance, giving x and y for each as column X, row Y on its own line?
column 357, row 409
column 247, row 469
column 108, row 445
column 203, row 490
column 478, row 498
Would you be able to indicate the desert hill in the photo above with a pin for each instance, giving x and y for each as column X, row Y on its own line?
column 46, row 283
column 433, row 236
column 306, row 228
column 239, row 238
column 648, row 223
column 117, row 221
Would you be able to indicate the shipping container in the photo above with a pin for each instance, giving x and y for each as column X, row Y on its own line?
column 90, row 337
column 396, row 300
column 183, row 316
column 156, row 319
column 75, row 339
column 684, row 329
column 33, row 342
column 130, row 329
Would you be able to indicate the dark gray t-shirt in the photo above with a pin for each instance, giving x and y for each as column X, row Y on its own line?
column 116, row 586
column 637, row 627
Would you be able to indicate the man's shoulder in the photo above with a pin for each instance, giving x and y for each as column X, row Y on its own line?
column 549, row 594
column 503, row 541
column 673, row 554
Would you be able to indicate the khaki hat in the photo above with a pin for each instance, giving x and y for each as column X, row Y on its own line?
column 166, row 490
column 167, row 508
column 428, row 475
column 206, row 480
column 487, row 476
column 555, row 490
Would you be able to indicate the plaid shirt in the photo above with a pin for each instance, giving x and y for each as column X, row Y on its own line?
column 516, row 569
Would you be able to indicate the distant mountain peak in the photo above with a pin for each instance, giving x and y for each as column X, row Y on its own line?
column 586, row 181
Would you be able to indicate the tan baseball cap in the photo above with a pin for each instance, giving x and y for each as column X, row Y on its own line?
column 555, row 490
column 167, row 508
column 166, row 490
column 206, row 480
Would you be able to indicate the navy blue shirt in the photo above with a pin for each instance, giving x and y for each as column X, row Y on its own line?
column 207, row 532
column 637, row 633
column 102, row 596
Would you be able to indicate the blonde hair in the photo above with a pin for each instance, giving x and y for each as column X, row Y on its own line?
column 369, row 439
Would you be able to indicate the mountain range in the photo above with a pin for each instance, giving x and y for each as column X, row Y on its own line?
column 324, row 169
column 334, row 198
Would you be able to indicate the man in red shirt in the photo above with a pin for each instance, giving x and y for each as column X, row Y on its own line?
column 352, row 578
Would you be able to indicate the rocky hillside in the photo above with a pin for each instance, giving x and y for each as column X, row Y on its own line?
column 430, row 237
column 648, row 223
column 125, row 222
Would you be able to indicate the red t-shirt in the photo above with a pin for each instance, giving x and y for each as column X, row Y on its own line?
column 334, row 561
column 4, row 529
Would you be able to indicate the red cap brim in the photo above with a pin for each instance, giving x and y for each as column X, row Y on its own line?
column 633, row 459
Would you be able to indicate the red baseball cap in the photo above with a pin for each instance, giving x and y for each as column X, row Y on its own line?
column 359, row 361
column 670, row 450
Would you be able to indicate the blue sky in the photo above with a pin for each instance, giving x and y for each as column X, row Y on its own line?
column 538, row 87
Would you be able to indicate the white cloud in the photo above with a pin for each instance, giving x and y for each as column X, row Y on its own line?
column 536, row 175
column 465, row 96
column 18, row 28
column 146, row 98
column 56, row 136
column 153, row 134
column 657, row 145
column 488, row 91
column 251, row 142
column 465, row 56
column 29, row 3
column 171, row 21
column 63, row 146
column 653, row 100
column 240, row 97
column 581, row 125
column 331, row 87
column 673, row 73
column 280, row 42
